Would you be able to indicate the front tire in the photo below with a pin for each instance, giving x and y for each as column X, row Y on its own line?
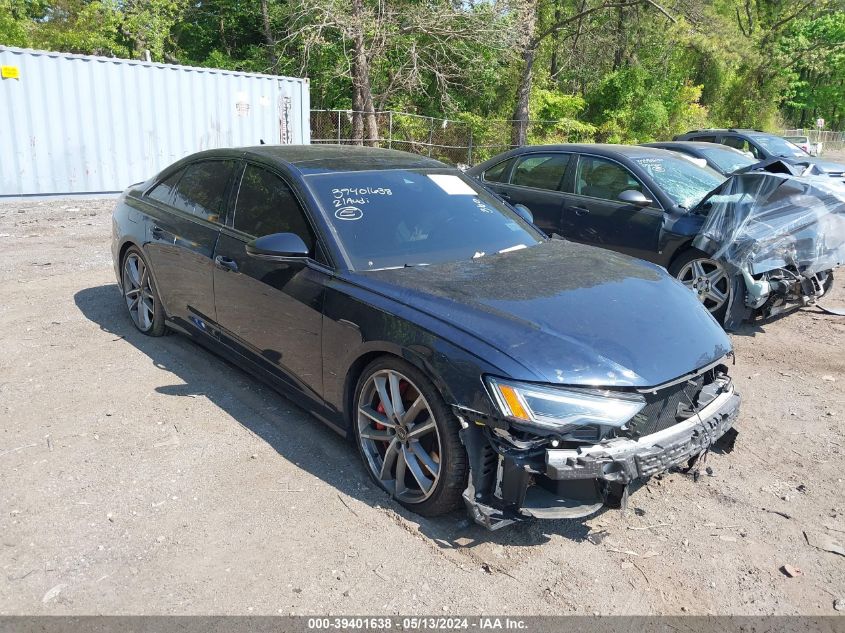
column 707, row 278
column 140, row 294
column 408, row 437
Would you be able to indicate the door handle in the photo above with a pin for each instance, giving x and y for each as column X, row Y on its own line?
column 580, row 210
column 225, row 263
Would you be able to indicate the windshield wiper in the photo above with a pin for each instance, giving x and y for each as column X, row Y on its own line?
column 406, row 265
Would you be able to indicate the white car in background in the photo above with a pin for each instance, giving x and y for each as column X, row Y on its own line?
column 804, row 143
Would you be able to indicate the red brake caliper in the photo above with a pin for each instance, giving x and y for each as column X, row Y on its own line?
column 380, row 409
column 403, row 387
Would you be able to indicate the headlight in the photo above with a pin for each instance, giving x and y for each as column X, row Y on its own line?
column 563, row 409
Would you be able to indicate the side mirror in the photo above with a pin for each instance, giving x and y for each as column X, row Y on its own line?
column 524, row 212
column 637, row 198
column 277, row 245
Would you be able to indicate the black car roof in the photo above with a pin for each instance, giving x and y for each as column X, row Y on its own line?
column 333, row 158
column 692, row 144
column 602, row 149
column 316, row 159
column 746, row 132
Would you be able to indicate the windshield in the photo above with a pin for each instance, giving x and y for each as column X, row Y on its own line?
column 727, row 160
column 395, row 218
column 682, row 180
column 778, row 146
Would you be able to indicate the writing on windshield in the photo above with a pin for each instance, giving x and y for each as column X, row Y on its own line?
column 390, row 218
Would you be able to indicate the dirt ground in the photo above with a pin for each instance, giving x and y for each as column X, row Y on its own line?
column 147, row 476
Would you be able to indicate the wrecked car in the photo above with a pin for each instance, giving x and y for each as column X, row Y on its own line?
column 779, row 235
column 471, row 359
column 661, row 206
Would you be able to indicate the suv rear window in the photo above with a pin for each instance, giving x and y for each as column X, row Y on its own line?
column 742, row 145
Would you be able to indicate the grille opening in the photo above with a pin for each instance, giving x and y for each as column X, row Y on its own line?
column 667, row 407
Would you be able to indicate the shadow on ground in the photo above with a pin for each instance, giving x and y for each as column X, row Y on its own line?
column 753, row 327
column 290, row 431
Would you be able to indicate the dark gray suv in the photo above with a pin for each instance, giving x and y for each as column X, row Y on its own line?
column 763, row 146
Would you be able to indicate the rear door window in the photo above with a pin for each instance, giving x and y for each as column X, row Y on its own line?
column 266, row 205
column 541, row 171
column 202, row 190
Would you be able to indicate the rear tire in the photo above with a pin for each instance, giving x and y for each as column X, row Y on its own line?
column 140, row 294
column 707, row 278
column 412, row 449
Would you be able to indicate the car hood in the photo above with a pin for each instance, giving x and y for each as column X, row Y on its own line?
column 824, row 165
column 569, row 313
column 828, row 167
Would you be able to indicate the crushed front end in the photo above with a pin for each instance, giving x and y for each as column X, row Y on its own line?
column 565, row 452
column 780, row 237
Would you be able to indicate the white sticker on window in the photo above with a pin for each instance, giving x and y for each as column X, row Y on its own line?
column 452, row 185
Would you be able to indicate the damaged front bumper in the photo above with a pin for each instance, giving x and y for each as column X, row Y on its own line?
column 554, row 483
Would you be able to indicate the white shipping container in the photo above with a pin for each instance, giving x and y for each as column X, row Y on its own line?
column 85, row 124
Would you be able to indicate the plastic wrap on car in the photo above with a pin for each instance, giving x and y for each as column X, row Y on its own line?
column 761, row 221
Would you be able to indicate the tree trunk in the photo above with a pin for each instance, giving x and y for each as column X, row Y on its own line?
column 223, row 39
column 578, row 83
column 357, row 119
column 522, row 112
column 268, row 34
column 370, row 123
column 621, row 44
column 361, row 76
column 554, row 66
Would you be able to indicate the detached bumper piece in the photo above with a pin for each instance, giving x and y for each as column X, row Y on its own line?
column 512, row 483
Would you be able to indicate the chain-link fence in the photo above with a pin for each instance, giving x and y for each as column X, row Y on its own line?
column 449, row 140
column 469, row 143
column 830, row 140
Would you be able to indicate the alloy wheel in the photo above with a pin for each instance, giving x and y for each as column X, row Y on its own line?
column 399, row 436
column 138, row 292
column 708, row 280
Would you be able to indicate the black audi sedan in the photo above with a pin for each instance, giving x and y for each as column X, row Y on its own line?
column 627, row 198
column 469, row 357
